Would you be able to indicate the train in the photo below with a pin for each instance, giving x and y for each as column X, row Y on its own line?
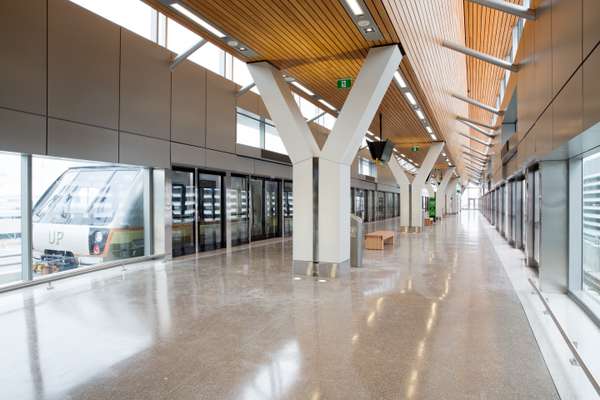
column 89, row 215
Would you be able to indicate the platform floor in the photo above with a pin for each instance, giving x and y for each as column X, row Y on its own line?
column 434, row 317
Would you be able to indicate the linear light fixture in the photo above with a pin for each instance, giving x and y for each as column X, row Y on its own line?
column 326, row 104
column 209, row 27
column 303, row 88
column 399, row 80
column 355, row 7
column 420, row 114
column 433, row 137
column 411, row 98
column 428, row 129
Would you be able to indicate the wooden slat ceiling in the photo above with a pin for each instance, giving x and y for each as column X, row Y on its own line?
column 488, row 31
column 316, row 42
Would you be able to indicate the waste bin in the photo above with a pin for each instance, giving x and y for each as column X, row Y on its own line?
column 357, row 236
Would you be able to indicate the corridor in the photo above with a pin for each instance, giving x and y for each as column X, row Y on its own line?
column 435, row 317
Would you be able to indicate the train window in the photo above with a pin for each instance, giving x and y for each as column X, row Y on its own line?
column 591, row 225
column 85, row 213
column 10, row 218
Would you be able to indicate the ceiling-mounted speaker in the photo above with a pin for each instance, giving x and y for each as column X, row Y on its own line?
column 381, row 151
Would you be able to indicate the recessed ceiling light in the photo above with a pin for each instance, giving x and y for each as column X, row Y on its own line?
column 198, row 20
column 242, row 49
column 420, row 114
column 411, row 98
column 325, row 103
column 396, row 150
column 433, row 136
column 444, row 154
column 363, row 23
column 399, row 80
column 297, row 278
column 232, row 43
column 428, row 129
column 303, row 88
column 402, row 155
column 322, row 280
column 355, row 7
column 369, row 30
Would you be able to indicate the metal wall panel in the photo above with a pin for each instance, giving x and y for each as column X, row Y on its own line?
column 568, row 111
column 145, row 87
column 566, row 40
column 220, row 113
column 526, row 89
column 543, row 133
column 591, row 89
column 83, row 66
column 272, row 169
column 554, row 226
column 23, row 49
column 191, row 156
column 248, row 101
column 22, row 132
column 188, row 122
column 141, row 150
column 68, row 139
column 591, row 27
column 229, row 162
column 542, row 95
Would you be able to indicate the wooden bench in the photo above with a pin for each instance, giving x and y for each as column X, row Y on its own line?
column 376, row 240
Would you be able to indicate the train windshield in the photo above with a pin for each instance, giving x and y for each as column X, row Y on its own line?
column 85, row 196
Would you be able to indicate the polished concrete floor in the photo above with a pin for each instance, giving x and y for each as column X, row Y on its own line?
column 435, row 317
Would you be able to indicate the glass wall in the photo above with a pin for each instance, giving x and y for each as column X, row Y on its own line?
column 10, row 218
column 184, row 212
column 210, row 221
column 256, row 131
column 85, row 213
column 591, row 226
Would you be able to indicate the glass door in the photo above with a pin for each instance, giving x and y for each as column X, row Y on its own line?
column 380, row 205
column 210, row 223
column 272, row 208
column 359, row 203
column 257, row 209
column 537, row 198
column 288, row 208
column 238, row 204
column 183, row 200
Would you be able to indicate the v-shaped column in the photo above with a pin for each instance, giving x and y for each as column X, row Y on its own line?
column 440, row 197
column 418, row 184
column 322, row 178
column 403, row 179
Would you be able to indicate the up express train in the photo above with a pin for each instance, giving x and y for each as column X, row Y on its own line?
column 87, row 216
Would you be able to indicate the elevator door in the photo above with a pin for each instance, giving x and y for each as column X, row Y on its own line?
column 183, row 203
column 210, row 222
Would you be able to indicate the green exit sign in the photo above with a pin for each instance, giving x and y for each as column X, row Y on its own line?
column 415, row 148
column 344, row 83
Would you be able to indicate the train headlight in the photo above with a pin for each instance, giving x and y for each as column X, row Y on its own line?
column 98, row 236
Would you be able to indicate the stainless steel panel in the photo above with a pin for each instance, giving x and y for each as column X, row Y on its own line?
column 141, row 150
column 23, row 49
column 554, row 226
column 542, row 95
column 83, row 66
column 22, row 132
column 566, row 40
column 145, row 87
column 568, row 111
column 68, row 139
column 188, row 121
column 220, row 113
column 526, row 88
column 543, row 133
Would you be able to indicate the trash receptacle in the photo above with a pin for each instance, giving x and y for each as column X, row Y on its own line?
column 357, row 236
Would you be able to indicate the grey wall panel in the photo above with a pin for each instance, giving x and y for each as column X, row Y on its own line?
column 542, row 94
column 23, row 50
column 526, row 87
column 192, row 156
column 229, row 162
column 22, row 132
column 67, row 139
column 274, row 170
column 591, row 90
column 543, row 134
column 359, row 183
column 248, row 101
column 145, row 87
column 568, row 111
column 591, row 27
column 188, row 123
column 140, row 150
column 220, row 113
column 83, row 65
column 566, row 40
column 248, row 151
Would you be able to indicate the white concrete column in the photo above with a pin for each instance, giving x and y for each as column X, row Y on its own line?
column 451, row 196
column 302, row 149
column 440, row 197
column 418, row 183
column 341, row 147
column 403, row 180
